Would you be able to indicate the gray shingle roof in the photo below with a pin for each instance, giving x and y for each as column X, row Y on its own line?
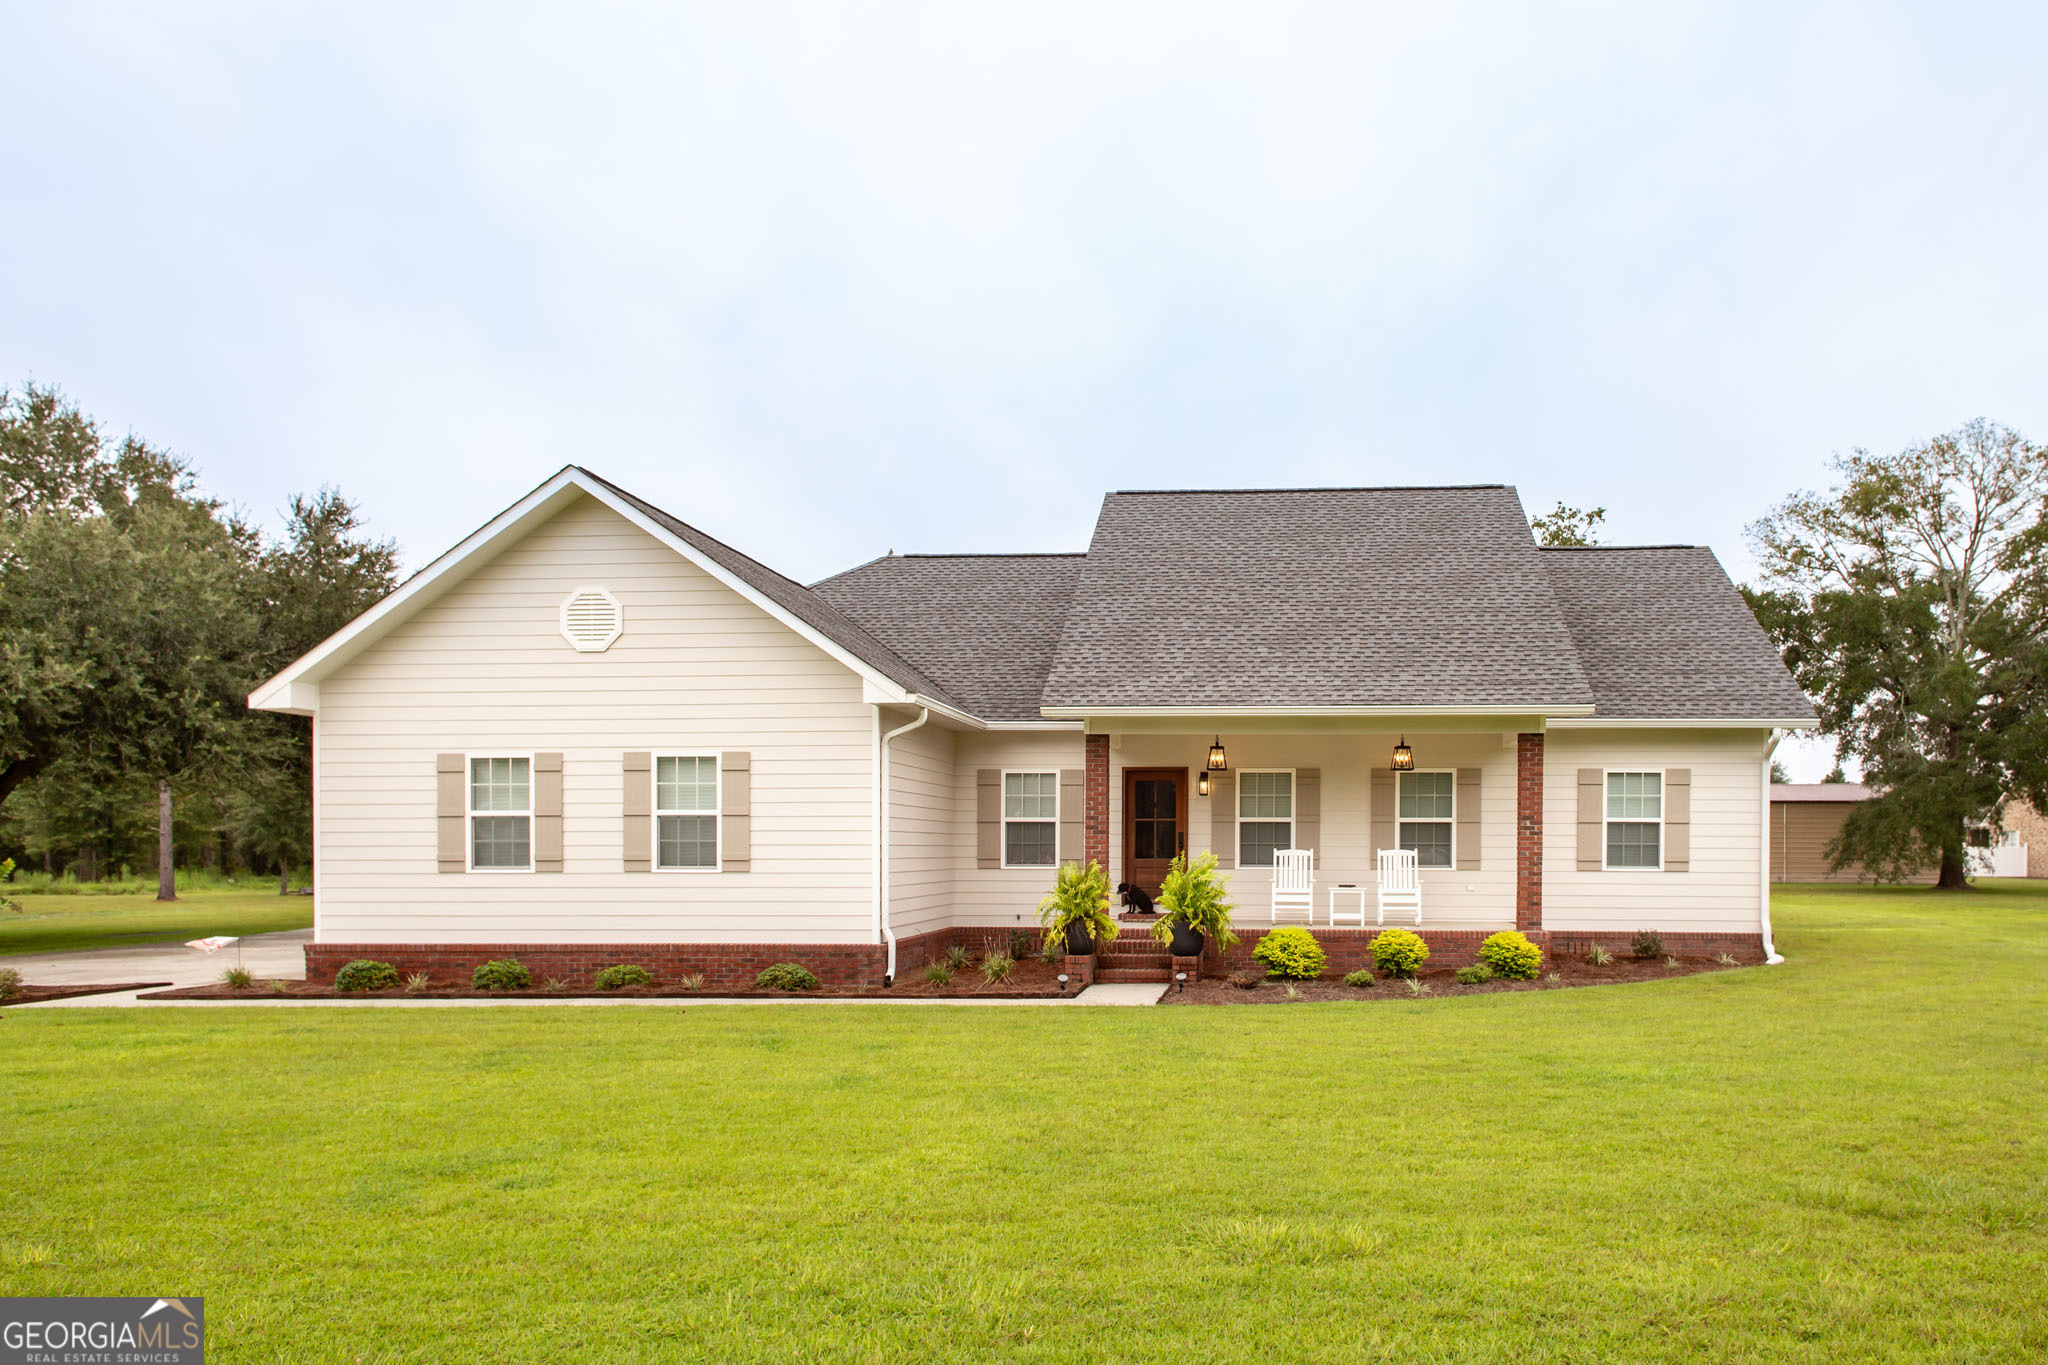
column 1315, row 597
column 798, row 600
column 987, row 624
column 1662, row 633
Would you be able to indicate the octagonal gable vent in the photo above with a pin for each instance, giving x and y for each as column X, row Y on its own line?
column 592, row 619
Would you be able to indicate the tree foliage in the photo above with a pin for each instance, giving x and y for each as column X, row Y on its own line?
column 1568, row 527
column 1908, row 601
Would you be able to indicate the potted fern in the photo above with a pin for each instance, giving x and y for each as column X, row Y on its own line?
column 1076, row 912
column 1192, row 907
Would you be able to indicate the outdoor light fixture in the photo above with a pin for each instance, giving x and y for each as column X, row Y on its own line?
column 1202, row 783
column 1216, row 759
column 1063, row 983
column 1182, row 978
column 1404, row 757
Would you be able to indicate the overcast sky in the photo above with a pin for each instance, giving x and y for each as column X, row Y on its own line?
column 827, row 281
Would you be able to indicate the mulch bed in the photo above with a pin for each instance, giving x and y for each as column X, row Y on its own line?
column 30, row 994
column 1029, row 980
column 1442, row 983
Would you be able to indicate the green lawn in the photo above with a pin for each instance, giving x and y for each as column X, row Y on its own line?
column 49, row 923
column 1843, row 1158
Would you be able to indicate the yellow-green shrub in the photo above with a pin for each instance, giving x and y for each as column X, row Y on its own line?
column 1290, row 955
column 1511, row 956
column 1399, row 953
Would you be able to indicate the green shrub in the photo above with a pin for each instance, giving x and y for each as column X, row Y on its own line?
column 238, row 978
column 957, row 956
column 623, row 975
column 1648, row 945
column 938, row 971
column 1290, row 954
column 1598, row 956
column 996, row 967
column 10, row 983
column 1512, row 956
column 415, row 982
column 786, row 976
column 505, row 974
column 1474, row 974
column 1020, row 946
column 1361, row 978
column 1399, row 953
column 365, row 975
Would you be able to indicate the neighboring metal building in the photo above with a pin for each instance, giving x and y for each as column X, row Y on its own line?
column 1806, row 817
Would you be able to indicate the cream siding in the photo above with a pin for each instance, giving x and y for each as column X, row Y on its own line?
column 699, row 669
column 1005, row 896
column 1720, row 892
column 921, row 833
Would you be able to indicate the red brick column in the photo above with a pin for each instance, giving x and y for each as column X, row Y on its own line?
column 1529, row 832
column 1095, row 833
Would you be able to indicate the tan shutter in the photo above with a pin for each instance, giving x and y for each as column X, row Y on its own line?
column 736, row 812
column 1385, row 833
column 1592, row 813
column 451, row 822
column 1678, row 819
column 1222, row 819
column 1308, row 808
column 988, row 817
column 639, row 812
column 1073, row 810
column 547, row 812
column 1468, row 820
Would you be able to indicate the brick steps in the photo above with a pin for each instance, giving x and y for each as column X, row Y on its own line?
column 1115, row 974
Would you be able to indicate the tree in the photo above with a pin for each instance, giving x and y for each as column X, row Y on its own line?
column 1909, row 601
column 1779, row 773
column 1568, row 527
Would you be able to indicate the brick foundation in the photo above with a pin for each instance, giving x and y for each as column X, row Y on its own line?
column 1528, row 832
column 725, row 966
column 1080, row 971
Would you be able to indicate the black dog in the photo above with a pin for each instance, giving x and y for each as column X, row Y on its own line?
column 1135, row 898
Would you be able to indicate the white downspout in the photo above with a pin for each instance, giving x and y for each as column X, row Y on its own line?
column 883, row 930
column 1771, row 956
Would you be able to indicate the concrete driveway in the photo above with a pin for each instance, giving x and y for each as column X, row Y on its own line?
column 263, row 954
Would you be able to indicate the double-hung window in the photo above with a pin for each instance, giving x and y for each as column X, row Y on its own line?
column 501, row 814
column 686, row 813
column 1428, row 814
column 1031, row 815
column 1265, row 816
column 1635, row 820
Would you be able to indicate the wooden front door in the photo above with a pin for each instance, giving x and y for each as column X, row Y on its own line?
column 1155, row 823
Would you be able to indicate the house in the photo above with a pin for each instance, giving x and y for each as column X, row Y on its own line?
column 1806, row 817
column 591, row 733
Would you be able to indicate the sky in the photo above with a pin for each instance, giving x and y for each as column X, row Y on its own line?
column 832, row 280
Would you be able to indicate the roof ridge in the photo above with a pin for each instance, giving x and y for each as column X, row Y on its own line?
column 1328, row 488
column 988, row 554
column 1673, row 545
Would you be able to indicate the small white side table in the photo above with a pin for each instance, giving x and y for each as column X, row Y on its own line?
column 1347, row 889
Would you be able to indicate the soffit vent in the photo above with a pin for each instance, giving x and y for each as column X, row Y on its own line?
column 592, row 619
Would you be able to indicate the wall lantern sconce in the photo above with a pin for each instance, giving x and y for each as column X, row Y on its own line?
column 1217, row 761
column 1404, row 757
column 1202, row 783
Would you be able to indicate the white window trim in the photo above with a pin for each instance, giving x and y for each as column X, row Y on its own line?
column 1663, row 797
column 1451, row 820
column 1293, row 820
column 717, row 811
column 1005, row 818
column 470, row 812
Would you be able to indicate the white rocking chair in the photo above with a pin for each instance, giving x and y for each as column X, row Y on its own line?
column 1400, row 883
column 1294, row 883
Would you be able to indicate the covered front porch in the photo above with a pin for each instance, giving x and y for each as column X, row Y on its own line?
column 1465, row 793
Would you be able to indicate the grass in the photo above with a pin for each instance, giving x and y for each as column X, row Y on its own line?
column 55, row 921
column 1843, row 1158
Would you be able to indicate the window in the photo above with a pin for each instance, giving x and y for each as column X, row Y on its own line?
column 686, row 813
column 1635, row 820
column 1265, row 816
column 501, row 814
column 1428, row 810
column 1031, row 815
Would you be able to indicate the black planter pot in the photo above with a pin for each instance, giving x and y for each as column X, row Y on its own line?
column 1080, row 943
column 1186, row 942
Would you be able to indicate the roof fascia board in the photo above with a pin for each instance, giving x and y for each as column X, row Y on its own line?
column 1679, row 723
column 877, row 690
column 1275, row 723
